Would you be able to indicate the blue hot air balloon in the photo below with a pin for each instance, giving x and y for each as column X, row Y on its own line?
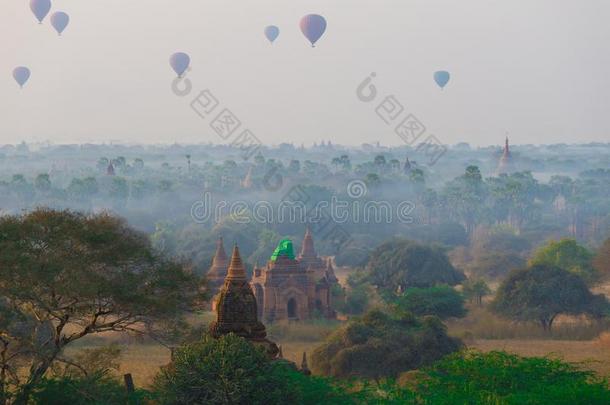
column 59, row 21
column 272, row 32
column 21, row 75
column 441, row 78
column 179, row 62
column 313, row 27
column 40, row 8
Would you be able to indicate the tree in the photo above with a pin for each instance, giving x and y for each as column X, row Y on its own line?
column 601, row 262
column 335, row 162
column 102, row 164
column 541, row 292
column 230, row 370
column 493, row 264
column 354, row 299
column 119, row 190
column 441, row 301
column 380, row 161
column 294, row 166
column 401, row 264
column 475, row 290
column 372, row 180
column 138, row 164
column 471, row 377
column 568, row 255
column 67, row 275
column 383, row 344
column 463, row 198
column 42, row 182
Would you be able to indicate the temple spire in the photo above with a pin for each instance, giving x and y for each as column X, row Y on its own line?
column 307, row 249
column 304, row 368
column 237, row 270
column 220, row 263
column 220, row 257
column 330, row 271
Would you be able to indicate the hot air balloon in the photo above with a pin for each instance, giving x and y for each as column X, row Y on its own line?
column 313, row 27
column 271, row 32
column 40, row 8
column 441, row 78
column 179, row 62
column 21, row 75
column 59, row 21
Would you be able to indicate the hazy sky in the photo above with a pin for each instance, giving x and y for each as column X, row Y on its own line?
column 539, row 69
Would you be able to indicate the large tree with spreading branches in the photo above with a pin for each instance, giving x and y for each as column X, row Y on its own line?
column 65, row 275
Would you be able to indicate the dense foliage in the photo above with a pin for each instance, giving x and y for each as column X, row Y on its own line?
column 399, row 264
column 94, row 389
column 441, row 301
column 382, row 344
column 65, row 275
column 568, row 255
column 230, row 370
column 541, row 292
column 500, row 378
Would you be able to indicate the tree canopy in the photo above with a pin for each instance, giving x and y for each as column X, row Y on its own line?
column 568, row 255
column 441, row 301
column 230, row 370
column 401, row 264
column 65, row 275
column 383, row 344
column 541, row 292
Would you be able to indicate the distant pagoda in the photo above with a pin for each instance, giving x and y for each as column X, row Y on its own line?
column 406, row 169
column 236, row 310
column 506, row 164
column 247, row 181
column 218, row 271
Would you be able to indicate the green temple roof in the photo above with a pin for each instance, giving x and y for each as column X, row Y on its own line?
column 284, row 248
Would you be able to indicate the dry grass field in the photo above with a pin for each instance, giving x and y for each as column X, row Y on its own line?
column 592, row 354
column 144, row 360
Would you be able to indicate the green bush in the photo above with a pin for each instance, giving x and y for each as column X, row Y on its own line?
column 230, row 370
column 441, row 301
column 95, row 389
column 501, row 378
column 382, row 344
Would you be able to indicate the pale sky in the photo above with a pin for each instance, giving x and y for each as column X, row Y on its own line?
column 537, row 69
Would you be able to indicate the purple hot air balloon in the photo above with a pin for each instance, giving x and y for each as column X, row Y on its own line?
column 59, row 21
column 179, row 62
column 272, row 32
column 313, row 26
column 40, row 8
column 21, row 75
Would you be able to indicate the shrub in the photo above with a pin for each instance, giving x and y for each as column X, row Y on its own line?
column 230, row 370
column 382, row 344
column 441, row 301
column 502, row 378
column 95, row 389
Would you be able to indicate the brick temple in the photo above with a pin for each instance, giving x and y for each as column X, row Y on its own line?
column 287, row 287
